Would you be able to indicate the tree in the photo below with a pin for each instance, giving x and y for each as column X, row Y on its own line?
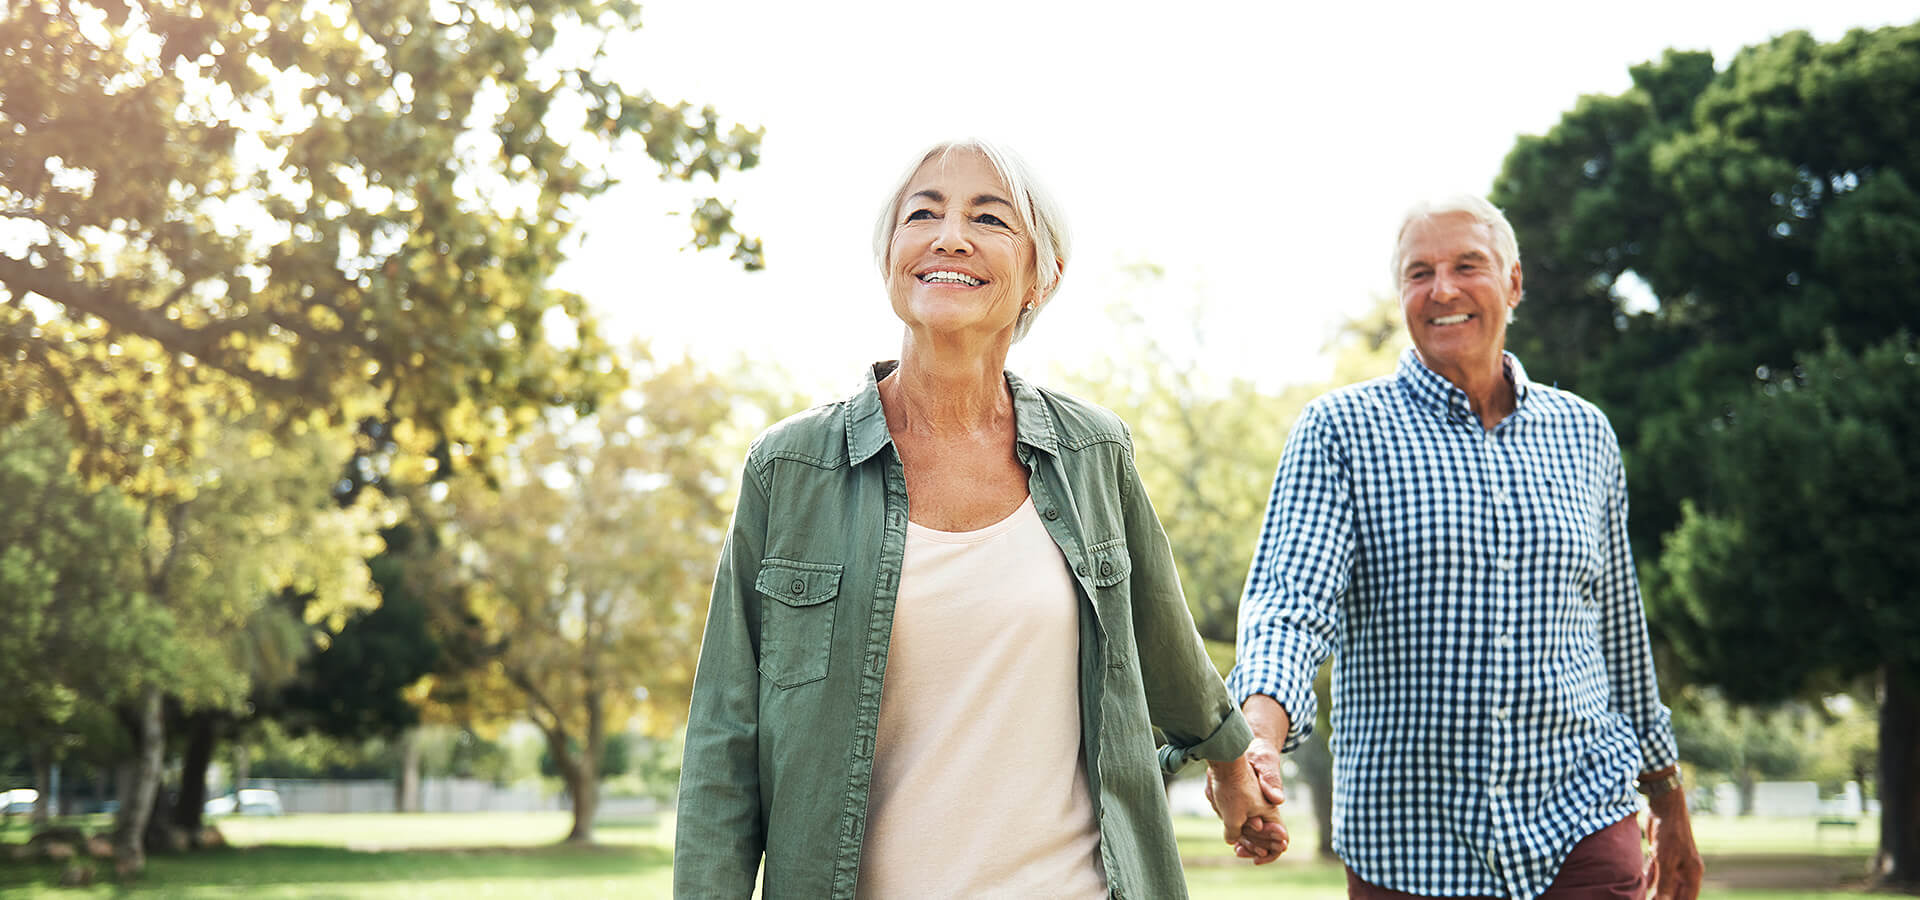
column 586, row 561
column 228, row 205
column 70, row 597
column 1708, row 256
column 1206, row 449
column 1742, row 743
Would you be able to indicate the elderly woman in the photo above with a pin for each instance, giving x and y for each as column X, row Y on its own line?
column 946, row 624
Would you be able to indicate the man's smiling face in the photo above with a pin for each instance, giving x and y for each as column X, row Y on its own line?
column 1456, row 293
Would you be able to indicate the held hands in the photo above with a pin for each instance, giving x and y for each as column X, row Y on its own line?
column 1247, row 793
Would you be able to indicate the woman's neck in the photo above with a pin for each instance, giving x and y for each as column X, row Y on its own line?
column 945, row 389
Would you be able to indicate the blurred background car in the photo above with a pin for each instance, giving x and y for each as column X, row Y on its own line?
column 246, row 802
column 18, row 802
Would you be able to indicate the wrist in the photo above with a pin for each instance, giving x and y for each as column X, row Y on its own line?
column 1268, row 718
column 1665, row 784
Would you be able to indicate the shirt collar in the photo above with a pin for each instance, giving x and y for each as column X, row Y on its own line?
column 867, row 421
column 1437, row 393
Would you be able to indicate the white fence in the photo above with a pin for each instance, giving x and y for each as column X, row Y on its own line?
column 451, row 795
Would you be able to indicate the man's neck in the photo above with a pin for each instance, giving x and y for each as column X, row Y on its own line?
column 1488, row 386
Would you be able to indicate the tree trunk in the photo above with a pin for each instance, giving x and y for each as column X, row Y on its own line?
column 43, row 784
column 583, row 785
column 1897, row 865
column 1744, row 779
column 242, row 767
column 1316, row 769
column 192, row 800
column 140, row 784
column 406, row 792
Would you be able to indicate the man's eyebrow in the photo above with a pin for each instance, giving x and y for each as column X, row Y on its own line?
column 1473, row 256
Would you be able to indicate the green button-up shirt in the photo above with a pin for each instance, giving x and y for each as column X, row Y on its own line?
column 786, row 699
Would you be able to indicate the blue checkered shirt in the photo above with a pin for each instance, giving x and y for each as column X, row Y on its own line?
column 1493, row 689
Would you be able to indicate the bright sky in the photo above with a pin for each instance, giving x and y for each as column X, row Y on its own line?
column 1260, row 153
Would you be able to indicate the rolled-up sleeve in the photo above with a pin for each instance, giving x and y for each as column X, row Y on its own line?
column 1186, row 699
column 1290, row 612
column 1623, row 636
column 719, row 834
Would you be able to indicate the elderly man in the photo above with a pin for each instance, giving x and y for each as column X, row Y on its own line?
column 1456, row 536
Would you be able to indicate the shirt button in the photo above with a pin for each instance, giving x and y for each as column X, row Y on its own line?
column 1497, row 790
column 1504, row 641
column 1499, row 496
column 1106, row 568
column 1052, row 513
column 1501, row 714
column 1503, row 564
column 1082, row 569
column 799, row 586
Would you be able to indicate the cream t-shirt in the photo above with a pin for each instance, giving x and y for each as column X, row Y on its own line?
column 979, row 786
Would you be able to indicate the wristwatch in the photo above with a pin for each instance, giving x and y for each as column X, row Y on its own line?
column 1654, row 787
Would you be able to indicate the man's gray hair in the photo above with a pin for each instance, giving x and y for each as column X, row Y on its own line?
column 1040, row 216
column 1506, row 247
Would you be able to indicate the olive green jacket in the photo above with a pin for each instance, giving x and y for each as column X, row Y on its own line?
column 786, row 698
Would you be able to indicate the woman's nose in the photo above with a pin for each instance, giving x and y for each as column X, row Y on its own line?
column 952, row 237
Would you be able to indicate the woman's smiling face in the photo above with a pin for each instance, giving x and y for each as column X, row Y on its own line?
column 959, row 260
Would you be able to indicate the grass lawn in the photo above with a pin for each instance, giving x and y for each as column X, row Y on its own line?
column 515, row 855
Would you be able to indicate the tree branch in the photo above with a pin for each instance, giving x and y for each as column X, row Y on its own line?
column 123, row 316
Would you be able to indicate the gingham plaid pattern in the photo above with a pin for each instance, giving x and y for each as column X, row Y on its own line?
column 1493, row 689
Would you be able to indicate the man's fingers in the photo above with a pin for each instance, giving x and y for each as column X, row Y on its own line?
column 1266, row 767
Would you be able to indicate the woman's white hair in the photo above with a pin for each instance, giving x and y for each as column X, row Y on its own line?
column 1040, row 217
column 1506, row 247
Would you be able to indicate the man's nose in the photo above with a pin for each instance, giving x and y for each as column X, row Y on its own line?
column 1444, row 287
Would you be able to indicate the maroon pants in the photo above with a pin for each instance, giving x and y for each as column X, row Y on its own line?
column 1606, row 865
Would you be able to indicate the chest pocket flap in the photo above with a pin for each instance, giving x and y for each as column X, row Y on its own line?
column 798, row 583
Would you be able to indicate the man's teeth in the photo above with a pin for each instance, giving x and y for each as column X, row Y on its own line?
column 951, row 278
column 1452, row 320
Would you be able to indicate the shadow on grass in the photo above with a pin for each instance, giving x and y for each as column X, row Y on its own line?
column 1784, row 872
column 268, row 865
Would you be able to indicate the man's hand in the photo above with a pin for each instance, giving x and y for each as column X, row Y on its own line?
column 1675, row 871
column 1251, row 819
column 1262, row 838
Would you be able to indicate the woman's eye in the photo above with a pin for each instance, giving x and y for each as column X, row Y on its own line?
column 990, row 219
column 919, row 215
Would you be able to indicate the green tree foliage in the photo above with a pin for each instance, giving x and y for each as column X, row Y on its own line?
column 70, row 597
column 586, row 562
column 355, row 686
column 1741, row 743
column 1813, row 497
column 234, row 205
column 1725, row 260
column 1206, row 449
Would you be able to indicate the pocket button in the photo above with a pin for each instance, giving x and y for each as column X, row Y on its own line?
column 799, row 586
column 1106, row 569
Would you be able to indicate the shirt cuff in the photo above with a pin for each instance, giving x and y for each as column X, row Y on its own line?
column 1229, row 741
column 1657, row 746
column 1298, row 700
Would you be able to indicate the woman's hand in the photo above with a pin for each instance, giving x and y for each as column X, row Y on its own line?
column 1249, row 811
